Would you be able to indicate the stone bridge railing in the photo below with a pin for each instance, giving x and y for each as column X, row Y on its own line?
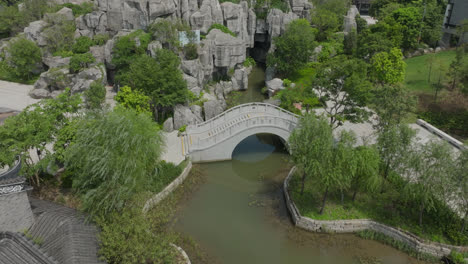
column 235, row 120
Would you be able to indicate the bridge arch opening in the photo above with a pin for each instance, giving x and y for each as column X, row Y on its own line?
column 258, row 147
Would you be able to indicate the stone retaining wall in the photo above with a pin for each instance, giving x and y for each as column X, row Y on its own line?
column 157, row 198
column 356, row 225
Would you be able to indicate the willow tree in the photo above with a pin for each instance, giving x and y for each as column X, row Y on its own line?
column 366, row 177
column 310, row 145
column 114, row 156
column 427, row 168
column 461, row 185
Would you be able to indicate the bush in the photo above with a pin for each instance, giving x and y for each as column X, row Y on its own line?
column 95, row 95
column 249, row 62
column 101, row 39
column 78, row 10
column 114, row 158
column 82, row 44
column 24, row 57
column 80, row 61
column 191, row 51
column 133, row 99
column 60, row 33
column 126, row 238
column 167, row 32
column 63, row 53
column 222, row 28
column 126, row 51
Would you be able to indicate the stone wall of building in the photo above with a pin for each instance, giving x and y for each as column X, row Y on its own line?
column 15, row 212
column 356, row 225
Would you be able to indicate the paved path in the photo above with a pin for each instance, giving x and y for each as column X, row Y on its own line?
column 15, row 96
column 174, row 150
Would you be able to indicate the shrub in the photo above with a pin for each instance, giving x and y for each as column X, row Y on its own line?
column 78, row 10
column 166, row 32
column 60, row 33
column 63, row 53
column 133, row 99
column 82, row 44
column 126, row 238
column 24, row 57
column 114, row 158
column 222, row 28
column 80, row 61
column 191, row 51
column 249, row 62
column 126, row 50
column 183, row 128
column 95, row 95
column 101, row 39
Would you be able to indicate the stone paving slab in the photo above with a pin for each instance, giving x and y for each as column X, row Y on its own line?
column 173, row 151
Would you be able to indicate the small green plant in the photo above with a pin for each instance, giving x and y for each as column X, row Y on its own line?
column 223, row 28
column 95, row 95
column 191, row 51
column 249, row 62
column 63, row 53
column 100, row 39
column 78, row 10
column 456, row 257
column 82, row 44
column 182, row 129
column 231, row 72
column 264, row 90
column 38, row 241
column 80, row 61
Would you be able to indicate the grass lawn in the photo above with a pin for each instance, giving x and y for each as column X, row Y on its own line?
column 389, row 207
column 417, row 70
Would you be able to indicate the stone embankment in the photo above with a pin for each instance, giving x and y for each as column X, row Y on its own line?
column 355, row 225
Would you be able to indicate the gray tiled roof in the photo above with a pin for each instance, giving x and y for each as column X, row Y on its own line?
column 65, row 234
column 16, row 249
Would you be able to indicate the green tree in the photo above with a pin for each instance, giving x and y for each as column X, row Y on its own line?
column 327, row 23
column 159, row 78
column 394, row 143
column 343, row 90
column 293, row 48
column 82, row 44
column 392, row 104
column 366, row 177
column 350, row 43
column 113, row 158
column 32, row 129
column 427, row 168
column 126, row 50
column 460, row 184
column 24, row 57
column 95, row 95
column 370, row 43
column 133, row 99
column 310, row 145
column 344, row 163
column 409, row 18
column 388, row 67
column 79, row 62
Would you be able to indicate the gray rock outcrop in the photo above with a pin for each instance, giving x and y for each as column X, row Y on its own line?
column 83, row 80
column 91, row 24
column 350, row 19
column 210, row 13
column 56, row 62
column 168, row 125
column 33, row 32
column 274, row 86
column 50, row 81
column 184, row 116
column 213, row 108
column 226, row 49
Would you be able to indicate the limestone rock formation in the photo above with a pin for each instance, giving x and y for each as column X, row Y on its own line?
column 168, row 125
column 91, row 24
column 213, row 108
column 274, row 86
column 241, row 76
column 50, row 81
column 210, row 13
column 56, row 62
column 83, row 80
column 33, row 32
column 153, row 46
column 226, row 49
column 184, row 116
column 350, row 19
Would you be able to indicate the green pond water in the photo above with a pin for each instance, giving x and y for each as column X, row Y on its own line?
column 238, row 214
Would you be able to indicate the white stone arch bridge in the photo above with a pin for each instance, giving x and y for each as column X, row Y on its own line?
column 216, row 139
